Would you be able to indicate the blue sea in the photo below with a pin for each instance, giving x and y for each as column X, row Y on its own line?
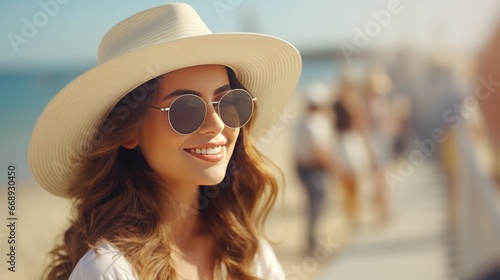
column 24, row 94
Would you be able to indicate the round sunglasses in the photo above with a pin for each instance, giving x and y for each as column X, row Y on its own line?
column 187, row 112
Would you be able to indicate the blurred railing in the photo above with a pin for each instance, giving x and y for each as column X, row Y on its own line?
column 475, row 215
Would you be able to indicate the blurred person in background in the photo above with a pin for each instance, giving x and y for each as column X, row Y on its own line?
column 381, row 123
column 384, row 125
column 401, row 109
column 313, row 146
column 388, row 114
column 353, row 148
column 403, row 72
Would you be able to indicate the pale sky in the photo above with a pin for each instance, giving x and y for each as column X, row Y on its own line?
column 71, row 33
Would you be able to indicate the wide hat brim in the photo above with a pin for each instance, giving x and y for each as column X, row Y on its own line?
column 267, row 66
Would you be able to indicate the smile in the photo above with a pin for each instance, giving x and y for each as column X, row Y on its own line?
column 211, row 154
column 206, row 151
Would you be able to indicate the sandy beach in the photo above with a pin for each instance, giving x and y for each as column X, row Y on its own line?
column 41, row 218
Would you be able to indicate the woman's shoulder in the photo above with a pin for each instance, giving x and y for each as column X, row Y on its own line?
column 106, row 262
column 266, row 264
column 109, row 263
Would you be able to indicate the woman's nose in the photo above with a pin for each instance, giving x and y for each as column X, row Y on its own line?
column 213, row 123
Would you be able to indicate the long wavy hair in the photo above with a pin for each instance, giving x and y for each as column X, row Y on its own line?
column 116, row 198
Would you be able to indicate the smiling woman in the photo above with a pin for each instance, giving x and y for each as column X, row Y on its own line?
column 165, row 180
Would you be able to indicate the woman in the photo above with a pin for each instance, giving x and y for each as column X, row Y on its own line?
column 162, row 170
column 354, row 148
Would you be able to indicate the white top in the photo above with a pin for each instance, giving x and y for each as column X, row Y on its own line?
column 313, row 132
column 112, row 265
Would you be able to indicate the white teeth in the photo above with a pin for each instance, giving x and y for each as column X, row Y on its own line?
column 207, row 151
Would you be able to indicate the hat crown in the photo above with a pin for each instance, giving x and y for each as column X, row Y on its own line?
column 150, row 27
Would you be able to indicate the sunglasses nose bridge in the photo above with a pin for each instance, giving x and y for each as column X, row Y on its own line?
column 213, row 121
column 212, row 106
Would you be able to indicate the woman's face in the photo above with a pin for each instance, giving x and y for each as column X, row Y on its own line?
column 179, row 159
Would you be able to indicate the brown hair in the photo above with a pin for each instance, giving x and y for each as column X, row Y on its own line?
column 116, row 199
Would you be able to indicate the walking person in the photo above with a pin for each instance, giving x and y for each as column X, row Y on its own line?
column 313, row 149
column 354, row 148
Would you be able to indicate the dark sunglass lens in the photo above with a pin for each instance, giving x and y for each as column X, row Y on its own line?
column 236, row 108
column 187, row 114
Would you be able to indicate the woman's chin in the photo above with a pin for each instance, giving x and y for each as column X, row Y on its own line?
column 213, row 178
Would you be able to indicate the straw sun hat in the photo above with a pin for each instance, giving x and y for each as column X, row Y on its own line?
column 141, row 47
